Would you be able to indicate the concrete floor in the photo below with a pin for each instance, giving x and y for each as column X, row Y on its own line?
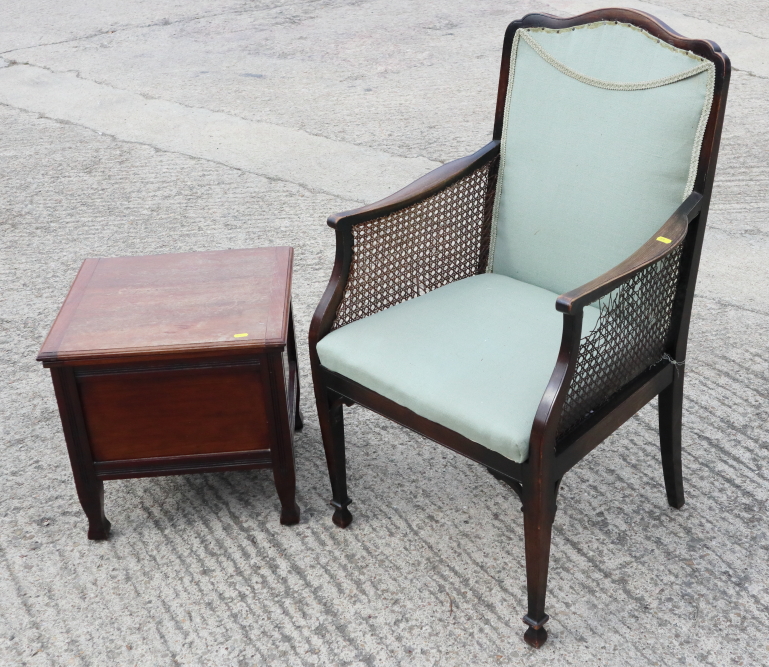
column 157, row 126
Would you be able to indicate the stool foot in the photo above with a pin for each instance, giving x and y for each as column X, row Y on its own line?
column 285, row 484
column 99, row 530
column 91, row 498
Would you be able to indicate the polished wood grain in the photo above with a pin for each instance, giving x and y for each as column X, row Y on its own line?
column 538, row 479
column 176, row 303
column 154, row 376
column 173, row 412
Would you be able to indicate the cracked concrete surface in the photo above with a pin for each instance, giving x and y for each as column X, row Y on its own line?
column 145, row 127
column 314, row 162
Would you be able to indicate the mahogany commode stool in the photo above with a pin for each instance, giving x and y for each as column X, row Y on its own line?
column 172, row 364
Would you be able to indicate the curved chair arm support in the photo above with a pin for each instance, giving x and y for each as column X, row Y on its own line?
column 673, row 231
column 562, row 400
column 543, row 431
column 419, row 190
column 323, row 318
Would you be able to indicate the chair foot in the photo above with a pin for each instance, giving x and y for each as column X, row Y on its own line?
column 99, row 530
column 342, row 516
column 289, row 516
column 535, row 635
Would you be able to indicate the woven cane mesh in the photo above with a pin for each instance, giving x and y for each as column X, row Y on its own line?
column 629, row 337
column 413, row 251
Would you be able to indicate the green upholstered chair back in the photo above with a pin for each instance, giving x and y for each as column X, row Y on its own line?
column 600, row 143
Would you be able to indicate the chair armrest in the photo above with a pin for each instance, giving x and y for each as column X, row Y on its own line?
column 419, row 190
column 631, row 336
column 431, row 233
column 674, row 231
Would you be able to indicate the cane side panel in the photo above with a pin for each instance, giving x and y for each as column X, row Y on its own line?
column 417, row 249
column 630, row 337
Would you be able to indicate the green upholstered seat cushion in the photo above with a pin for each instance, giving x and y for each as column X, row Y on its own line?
column 587, row 173
column 474, row 356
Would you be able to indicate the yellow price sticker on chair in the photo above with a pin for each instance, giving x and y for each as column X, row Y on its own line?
column 662, row 239
column 240, row 335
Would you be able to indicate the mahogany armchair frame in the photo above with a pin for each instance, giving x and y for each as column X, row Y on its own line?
column 552, row 452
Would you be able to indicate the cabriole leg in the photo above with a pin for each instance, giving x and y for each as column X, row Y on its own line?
column 91, row 496
column 331, row 419
column 538, row 516
column 670, row 411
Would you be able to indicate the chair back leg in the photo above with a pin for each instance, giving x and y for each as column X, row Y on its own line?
column 330, row 406
column 670, row 410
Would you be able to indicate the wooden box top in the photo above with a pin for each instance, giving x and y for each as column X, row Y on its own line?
column 170, row 305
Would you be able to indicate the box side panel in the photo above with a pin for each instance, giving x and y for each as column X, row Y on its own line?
column 175, row 412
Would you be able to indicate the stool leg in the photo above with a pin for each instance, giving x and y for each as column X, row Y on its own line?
column 285, row 483
column 90, row 489
column 283, row 469
column 92, row 501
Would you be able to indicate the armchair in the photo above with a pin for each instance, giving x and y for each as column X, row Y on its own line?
column 455, row 308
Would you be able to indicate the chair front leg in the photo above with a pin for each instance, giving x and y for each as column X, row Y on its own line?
column 670, row 411
column 330, row 406
column 539, row 506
